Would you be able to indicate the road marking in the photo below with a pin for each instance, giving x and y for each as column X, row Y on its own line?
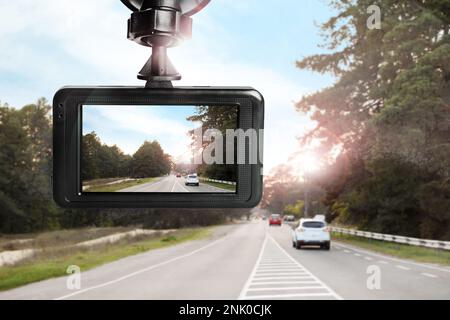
column 265, row 283
column 287, row 275
column 346, row 251
column 368, row 258
column 403, row 267
column 276, row 266
column 395, row 259
column 357, row 255
column 276, row 274
column 429, row 275
column 243, row 293
column 285, row 288
column 174, row 184
column 177, row 182
column 140, row 271
column 383, row 262
column 294, row 295
column 331, row 291
column 278, row 269
column 281, row 277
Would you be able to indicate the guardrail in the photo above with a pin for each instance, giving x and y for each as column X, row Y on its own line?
column 219, row 181
column 435, row 244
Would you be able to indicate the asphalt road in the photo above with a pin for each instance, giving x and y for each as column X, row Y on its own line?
column 249, row 261
column 173, row 184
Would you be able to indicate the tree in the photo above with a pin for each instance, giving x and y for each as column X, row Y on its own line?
column 216, row 118
column 150, row 161
column 390, row 110
column 25, row 167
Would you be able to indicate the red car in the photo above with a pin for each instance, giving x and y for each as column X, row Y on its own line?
column 275, row 219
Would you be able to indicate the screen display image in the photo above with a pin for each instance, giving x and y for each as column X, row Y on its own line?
column 154, row 149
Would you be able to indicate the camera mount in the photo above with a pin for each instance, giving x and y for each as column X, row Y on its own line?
column 161, row 24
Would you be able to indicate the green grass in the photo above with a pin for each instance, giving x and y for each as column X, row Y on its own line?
column 419, row 254
column 52, row 264
column 119, row 186
column 221, row 185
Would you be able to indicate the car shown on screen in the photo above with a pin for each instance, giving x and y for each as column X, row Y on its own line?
column 192, row 180
column 178, row 175
column 311, row 232
column 289, row 218
column 275, row 220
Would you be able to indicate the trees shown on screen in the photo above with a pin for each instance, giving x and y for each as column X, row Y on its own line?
column 219, row 118
column 150, row 161
column 100, row 161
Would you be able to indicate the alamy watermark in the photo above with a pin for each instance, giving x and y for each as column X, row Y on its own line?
column 374, row 20
column 239, row 146
column 374, row 280
column 73, row 281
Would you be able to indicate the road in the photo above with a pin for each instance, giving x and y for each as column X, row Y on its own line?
column 173, row 184
column 249, row 261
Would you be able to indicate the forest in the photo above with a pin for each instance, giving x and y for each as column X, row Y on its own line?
column 389, row 113
column 99, row 161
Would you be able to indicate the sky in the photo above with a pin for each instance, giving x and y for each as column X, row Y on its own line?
column 47, row 44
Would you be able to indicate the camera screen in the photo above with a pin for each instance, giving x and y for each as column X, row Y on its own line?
column 156, row 149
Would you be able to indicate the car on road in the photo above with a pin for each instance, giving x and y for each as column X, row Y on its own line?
column 192, row 180
column 178, row 175
column 275, row 220
column 311, row 232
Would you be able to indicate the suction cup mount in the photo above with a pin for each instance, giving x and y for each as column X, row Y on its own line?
column 161, row 24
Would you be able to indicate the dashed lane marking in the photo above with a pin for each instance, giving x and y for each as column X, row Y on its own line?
column 276, row 275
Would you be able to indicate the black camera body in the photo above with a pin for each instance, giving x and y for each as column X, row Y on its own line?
column 68, row 135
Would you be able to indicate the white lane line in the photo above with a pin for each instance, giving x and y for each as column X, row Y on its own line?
column 249, row 280
column 265, row 283
column 287, row 288
column 346, row 251
column 332, row 292
column 383, row 262
column 294, row 295
column 429, row 275
column 174, row 184
column 259, row 275
column 368, row 258
column 140, row 271
column 403, row 267
column 431, row 267
column 278, row 269
column 357, row 255
column 178, row 183
column 281, row 277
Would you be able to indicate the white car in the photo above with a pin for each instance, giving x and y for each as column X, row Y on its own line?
column 192, row 179
column 311, row 232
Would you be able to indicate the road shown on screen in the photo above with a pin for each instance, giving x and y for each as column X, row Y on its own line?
column 172, row 183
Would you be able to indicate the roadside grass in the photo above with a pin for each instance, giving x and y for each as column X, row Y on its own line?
column 54, row 263
column 56, row 238
column 119, row 186
column 97, row 182
column 418, row 254
column 221, row 185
